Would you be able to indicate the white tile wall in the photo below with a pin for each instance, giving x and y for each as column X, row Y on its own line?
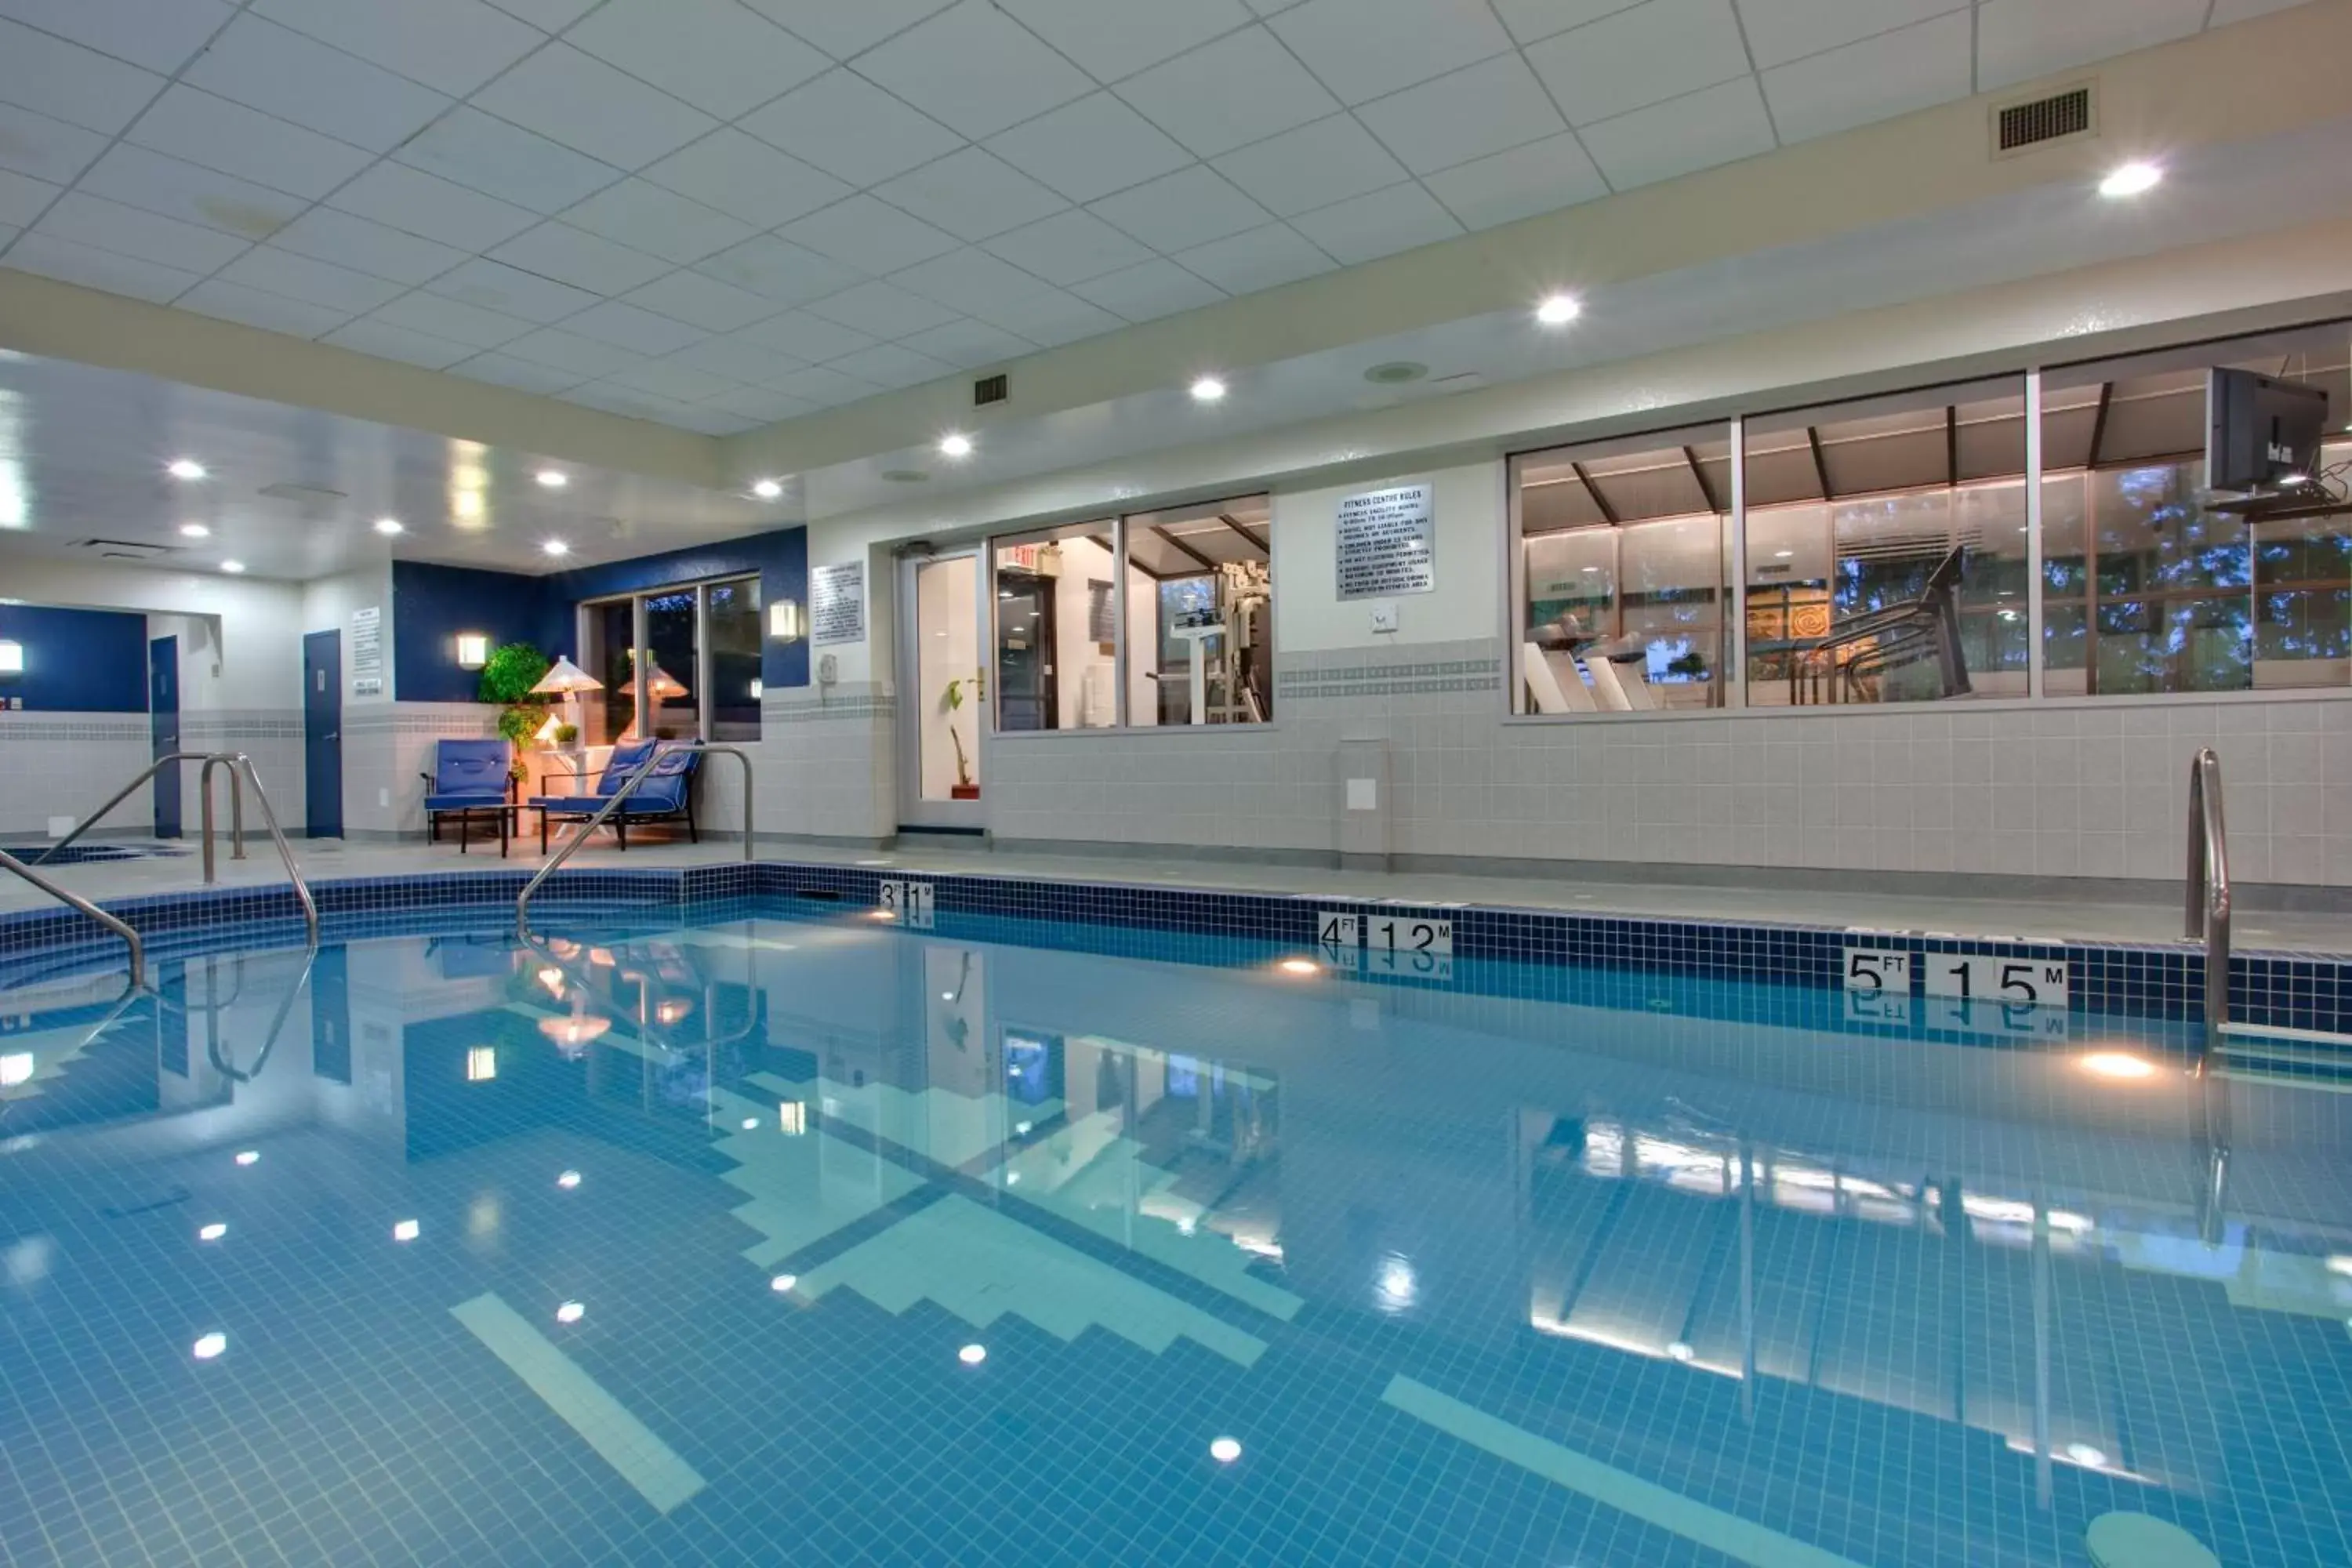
column 63, row 765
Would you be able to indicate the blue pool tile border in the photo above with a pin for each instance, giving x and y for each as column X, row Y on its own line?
column 2273, row 990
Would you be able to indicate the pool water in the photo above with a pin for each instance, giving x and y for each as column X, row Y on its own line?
column 797, row 1237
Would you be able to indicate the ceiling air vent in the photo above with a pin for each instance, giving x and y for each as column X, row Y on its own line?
column 122, row 549
column 2051, row 117
column 990, row 389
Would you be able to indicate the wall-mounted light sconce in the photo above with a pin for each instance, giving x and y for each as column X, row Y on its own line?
column 758, row 689
column 784, row 620
column 473, row 650
column 11, row 659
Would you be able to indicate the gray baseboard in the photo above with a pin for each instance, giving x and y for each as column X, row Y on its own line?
column 1103, row 849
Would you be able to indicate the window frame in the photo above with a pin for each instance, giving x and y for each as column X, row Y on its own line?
column 706, row 715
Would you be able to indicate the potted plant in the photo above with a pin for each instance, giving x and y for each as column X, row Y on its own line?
column 964, row 788
column 508, row 676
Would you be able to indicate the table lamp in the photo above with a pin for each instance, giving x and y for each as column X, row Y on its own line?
column 660, row 685
column 567, row 680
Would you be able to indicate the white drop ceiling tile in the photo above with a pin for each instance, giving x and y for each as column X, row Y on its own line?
column 1378, row 223
column 713, row 54
column 1483, row 109
column 253, row 307
column 512, row 291
column 1069, row 247
column 584, row 260
column 1224, row 95
column 1158, row 287
column 892, row 365
column 212, row 131
column 871, row 236
column 444, row 317
column 67, row 262
column 843, row 30
column 1531, row 19
column 851, row 129
column 1715, row 125
column 969, row 345
column 570, row 352
column 84, row 219
column 778, row 270
column 969, row 280
column 1189, row 207
column 68, row 82
column 1053, row 319
column 582, row 103
column 610, row 398
column 745, row 178
column 1636, row 57
column 522, row 374
column 1368, row 48
column 823, row 386
column 645, row 216
column 760, row 405
column 974, row 69
column 1539, row 177
column 972, row 194
column 812, row 340
column 385, row 341
column 625, row 326
column 1875, row 80
column 1779, row 31
column 140, row 177
column 421, row 204
column 314, row 282
column 452, row 45
column 1115, row 38
column 506, row 161
column 710, row 419
column 1090, row 148
column 667, row 378
column 23, row 197
column 1260, row 258
column 43, row 147
column 161, row 35
column 281, row 72
column 2020, row 39
column 366, row 246
column 737, row 361
column 1312, row 166
column 701, row 302
column 882, row 310
column 546, row 16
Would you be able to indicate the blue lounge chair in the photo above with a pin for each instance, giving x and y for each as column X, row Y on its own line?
column 667, row 796
column 469, row 778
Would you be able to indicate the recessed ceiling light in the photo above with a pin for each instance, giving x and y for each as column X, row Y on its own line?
column 231, row 567
column 1395, row 372
column 955, row 444
column 185, row 469
column 556, row 547
column 1558, row 310
column 194, row 530
column 2131, row 180
column 554, row 479
column 388, row 526
column 767, row 489
column 1208, row 389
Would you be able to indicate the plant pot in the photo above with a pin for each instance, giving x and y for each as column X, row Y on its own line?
column 963, row 792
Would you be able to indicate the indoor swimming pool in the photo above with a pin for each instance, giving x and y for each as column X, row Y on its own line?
column 791, row 1233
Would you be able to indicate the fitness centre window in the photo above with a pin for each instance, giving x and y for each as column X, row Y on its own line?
column 2158, row 577
column 1057, row 629
column 1621, row 574
column 1200, row 613
column 1886, row 549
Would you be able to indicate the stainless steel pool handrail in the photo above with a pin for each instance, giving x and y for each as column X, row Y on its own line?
column 2209, row 887
column 119, row 926
column 236, row 803
column 228, row 760
column 277, row 836
column 612, row 801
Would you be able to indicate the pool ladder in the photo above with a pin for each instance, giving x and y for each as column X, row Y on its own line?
column 612, row 804
column 240, row 772
column 2209, row 887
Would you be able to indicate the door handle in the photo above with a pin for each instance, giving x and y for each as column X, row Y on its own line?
column 332, row 735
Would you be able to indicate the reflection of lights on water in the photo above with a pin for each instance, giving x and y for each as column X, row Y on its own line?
column 1399, row 1287
column 792, row 1118
column 1012, row 1178
column 2341, row 1264
column 2116, row 1065
column 1021, row 1129
column 212, row 1232
column 973, row 1355
column 751, row 1124
column 482, row 1217
column 405, row 1231
column 481, row 1063
column 1225, row 1450
column 784, row 1282
column 569, row 1179
column 880, row 915
column 1186, row 1226
column 15, row 1067
column 571, row 1312
column 672, row 1012
column 209, row 1346
column 1680, row 1350
column 247, row 1156
column 553, row 979
column 1300, row 966
column 2084, row 1453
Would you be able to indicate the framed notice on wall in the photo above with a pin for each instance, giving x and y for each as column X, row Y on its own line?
column 837, row 604
column 1383, row 542
column 367, row 652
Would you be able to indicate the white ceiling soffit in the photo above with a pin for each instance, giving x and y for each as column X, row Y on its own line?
column 716, row 216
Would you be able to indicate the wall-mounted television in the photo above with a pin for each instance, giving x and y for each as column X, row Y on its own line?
column 2261, row 434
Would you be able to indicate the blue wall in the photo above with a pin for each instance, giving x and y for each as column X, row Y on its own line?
column 431, row 604
column 77, row 661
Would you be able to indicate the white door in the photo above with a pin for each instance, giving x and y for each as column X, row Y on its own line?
column 942, row 690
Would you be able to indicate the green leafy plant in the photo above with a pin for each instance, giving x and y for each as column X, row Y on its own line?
column 953, row 698
column 507, row 676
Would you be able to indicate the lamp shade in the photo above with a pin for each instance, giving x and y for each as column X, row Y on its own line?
column 660, row 682
column 566, row 678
